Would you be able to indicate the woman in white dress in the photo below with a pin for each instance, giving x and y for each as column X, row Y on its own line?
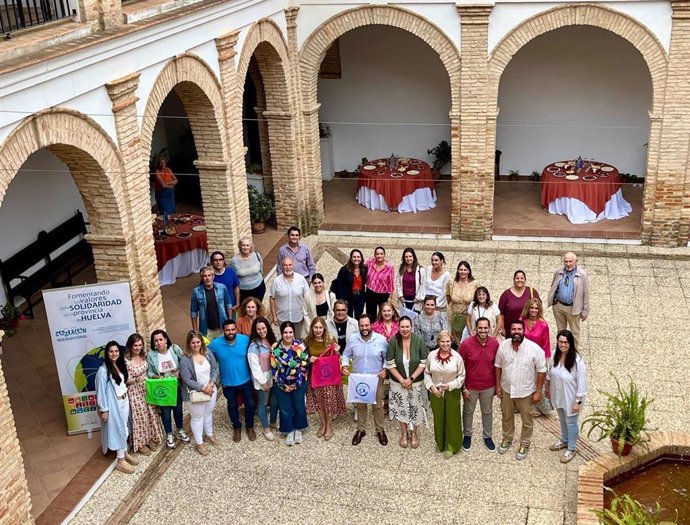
column 435, row 281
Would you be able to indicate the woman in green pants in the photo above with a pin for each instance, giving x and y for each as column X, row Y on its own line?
column 444, row 376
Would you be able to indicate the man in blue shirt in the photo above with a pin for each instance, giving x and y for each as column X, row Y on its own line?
column 230, row 351
column 226, row 275
column 367, row 350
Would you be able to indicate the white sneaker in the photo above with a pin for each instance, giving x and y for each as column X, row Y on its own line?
column 298, row 437
column 182, row 435
column 290, row 439
column 270, row 436
column 558, row 445
column 569, row 455
column 170, row 441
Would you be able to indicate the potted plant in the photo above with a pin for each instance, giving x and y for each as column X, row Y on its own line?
column 442, row 153
column 253, row 167
column 623, row 419
column 261, row 207
column 10, row 319
column 625, row 509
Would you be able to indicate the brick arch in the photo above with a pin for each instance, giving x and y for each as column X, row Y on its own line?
column 315, row 47
column 605, row 18
column 200, row 92
column 582, row 14
column 266, row 44
column 92, row 157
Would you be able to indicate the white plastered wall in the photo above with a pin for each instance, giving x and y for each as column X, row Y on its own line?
column 574, row 91
column 388, row 76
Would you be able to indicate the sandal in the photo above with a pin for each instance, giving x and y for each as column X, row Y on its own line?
column 403, row 440
column 415, row 439
column 320, row 432
column 328, row 435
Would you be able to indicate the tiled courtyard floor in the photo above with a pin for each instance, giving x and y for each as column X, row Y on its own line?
column 639, row 302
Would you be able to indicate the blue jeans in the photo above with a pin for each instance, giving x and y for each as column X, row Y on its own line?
column 230, row 393
column 262, row 409
column 168, row 413
column 293, row 409
column 569, row 428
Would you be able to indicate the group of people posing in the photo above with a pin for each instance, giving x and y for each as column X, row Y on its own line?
column 433, row 341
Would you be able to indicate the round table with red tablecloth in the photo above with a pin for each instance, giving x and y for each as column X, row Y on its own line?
column 409, row 187
column 181, row 254
column 588, row 194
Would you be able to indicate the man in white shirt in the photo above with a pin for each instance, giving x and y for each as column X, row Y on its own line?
column 287, row 297
column 367, row 349
column 520, row 369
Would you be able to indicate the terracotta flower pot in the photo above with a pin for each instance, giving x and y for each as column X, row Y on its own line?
column 258, row 227
column 627, row 447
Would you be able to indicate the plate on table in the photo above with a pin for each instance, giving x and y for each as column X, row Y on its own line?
column 184, row 235
column 603, row 176
column 415, row 162
column 380, row 172
column 572, row 177
column 413, row 172
column 553, row 169
column 369, row 167
column 559, row 164
column 559, row 174
column 589, row 177
column 607, row 169
column 199, row 228
column 397, row 175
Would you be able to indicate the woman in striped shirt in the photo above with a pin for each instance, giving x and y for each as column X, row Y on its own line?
column 380, row 284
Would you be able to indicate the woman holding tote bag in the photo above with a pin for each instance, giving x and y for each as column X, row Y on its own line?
column 199, row 373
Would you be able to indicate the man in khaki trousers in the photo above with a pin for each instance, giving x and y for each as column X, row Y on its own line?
column 569, row 296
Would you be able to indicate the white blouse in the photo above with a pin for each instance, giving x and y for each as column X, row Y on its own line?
column 121, row 389
column 566, row 386
column 203, row 371
column 451, row 373
column 437, row 287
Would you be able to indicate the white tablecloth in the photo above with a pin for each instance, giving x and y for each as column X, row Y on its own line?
column 579, row 213
column 421, row 200
column 183, row 265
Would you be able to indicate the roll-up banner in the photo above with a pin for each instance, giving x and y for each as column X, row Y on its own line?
column 82, row 319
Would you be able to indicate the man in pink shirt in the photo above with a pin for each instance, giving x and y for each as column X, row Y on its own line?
column 479, row 352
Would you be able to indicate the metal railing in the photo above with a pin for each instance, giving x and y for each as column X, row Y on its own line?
column 20, row 14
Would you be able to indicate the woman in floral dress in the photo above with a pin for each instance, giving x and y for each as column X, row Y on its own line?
column 146, row 431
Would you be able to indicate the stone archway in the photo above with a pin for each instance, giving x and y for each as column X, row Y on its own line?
column 265, row 43
column 314, row 50
column 198, row 89
column 602, row 17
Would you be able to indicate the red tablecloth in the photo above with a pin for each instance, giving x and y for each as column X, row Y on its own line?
column 174, row 246
column 594, row 193
column 393, row 189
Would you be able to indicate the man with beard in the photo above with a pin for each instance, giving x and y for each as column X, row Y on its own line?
column 520, row 369
column 367, row 349
column 341, row 326
column 230, row 351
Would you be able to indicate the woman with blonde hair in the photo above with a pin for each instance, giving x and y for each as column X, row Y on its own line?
column 387, row 322
column 199, row 373
column 328, row 401
column 249, row 310
column 537, row 330
column 249, row 267
column 146, row 423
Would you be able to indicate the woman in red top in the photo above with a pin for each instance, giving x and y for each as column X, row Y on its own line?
column 513, row 300
column 380, row 283
column 537, row 330
column 164, row 183
column 387, row 322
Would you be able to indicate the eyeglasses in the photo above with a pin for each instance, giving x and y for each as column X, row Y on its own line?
column 566, row 281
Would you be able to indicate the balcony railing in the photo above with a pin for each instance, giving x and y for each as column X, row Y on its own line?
column 20, row 14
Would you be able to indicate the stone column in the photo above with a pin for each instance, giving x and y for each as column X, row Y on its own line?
column 236, row 175
column 475, row 186
column 15, row 504
column 671, row 195
column 134, row 257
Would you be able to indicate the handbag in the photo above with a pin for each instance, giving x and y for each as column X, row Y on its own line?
column 325, row 371
column 162, row 391
column 198, row 397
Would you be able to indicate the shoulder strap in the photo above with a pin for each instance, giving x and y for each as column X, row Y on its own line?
column 531, row 292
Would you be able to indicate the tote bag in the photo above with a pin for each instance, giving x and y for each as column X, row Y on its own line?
column 162, row 392
column 325, row 371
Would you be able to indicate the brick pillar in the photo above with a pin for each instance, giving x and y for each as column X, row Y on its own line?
column 473, row 192
column 305, row 126
column 236, row 176
column 671, row 195
column 15, row 503
column 104, row 14
column 137, row 255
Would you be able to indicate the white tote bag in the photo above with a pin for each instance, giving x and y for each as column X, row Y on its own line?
column 361, row 388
